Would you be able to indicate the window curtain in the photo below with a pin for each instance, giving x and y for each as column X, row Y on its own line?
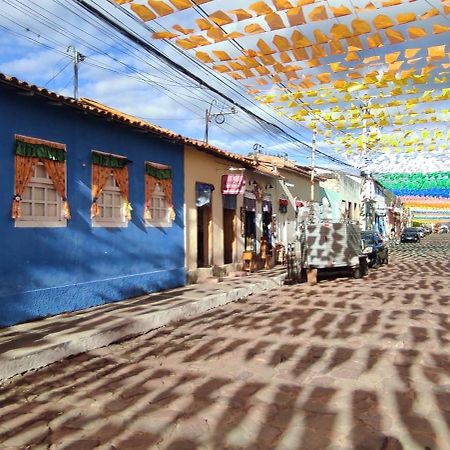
column 102, row 166
column 23, row 170
column 57, row 172
column 150, row 186
column 28, row 151
column 162, row 175
column 100, row 175
column 121, row 176
column 166, row 186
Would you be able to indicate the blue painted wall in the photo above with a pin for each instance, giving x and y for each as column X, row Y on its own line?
column 46, row 271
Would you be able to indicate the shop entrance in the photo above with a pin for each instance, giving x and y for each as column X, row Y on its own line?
column 229, row 235
column 203, row 235
column 267, row 221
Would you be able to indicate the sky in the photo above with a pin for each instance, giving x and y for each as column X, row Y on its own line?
column 34, row 39
column 35, row 36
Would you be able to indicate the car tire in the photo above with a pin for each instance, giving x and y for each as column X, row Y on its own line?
column 377, row 262
column 357, row 273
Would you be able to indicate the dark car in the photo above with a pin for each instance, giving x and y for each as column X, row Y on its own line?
column 410, row 235
column 375, row 249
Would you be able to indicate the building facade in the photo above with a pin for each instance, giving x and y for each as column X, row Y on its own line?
column 214, row 196
column 92, row 206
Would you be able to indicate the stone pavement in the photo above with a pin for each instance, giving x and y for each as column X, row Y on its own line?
column 39, row 343
column 346, row 364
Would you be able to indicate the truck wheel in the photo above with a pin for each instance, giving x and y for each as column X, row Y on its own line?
column 357, row 273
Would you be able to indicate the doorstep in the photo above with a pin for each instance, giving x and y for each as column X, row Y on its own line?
column 36, row 344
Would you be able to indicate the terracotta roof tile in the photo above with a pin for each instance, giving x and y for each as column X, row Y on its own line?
column 98, row 109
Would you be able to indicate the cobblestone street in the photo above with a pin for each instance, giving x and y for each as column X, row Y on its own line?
column 345, row 364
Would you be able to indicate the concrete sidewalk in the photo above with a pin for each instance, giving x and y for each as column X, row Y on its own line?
column 39, row 343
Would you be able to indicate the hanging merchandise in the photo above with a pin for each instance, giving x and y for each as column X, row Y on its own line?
column 203, row 194
column 283, row 205
column 250, row 201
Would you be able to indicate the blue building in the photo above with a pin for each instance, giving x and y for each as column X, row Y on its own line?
column 91, row 205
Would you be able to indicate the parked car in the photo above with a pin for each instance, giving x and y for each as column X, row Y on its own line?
column 375, row 249
column 428, row 230
column 421, row 231
column 410, row 235
column 443, row 229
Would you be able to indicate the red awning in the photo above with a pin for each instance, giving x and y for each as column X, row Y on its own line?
column 233, row 184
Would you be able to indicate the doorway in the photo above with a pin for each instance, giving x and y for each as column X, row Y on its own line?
column 229, row 235
column 203, row 235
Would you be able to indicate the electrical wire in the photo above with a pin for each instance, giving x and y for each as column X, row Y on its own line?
column 58, row 73
column 150, row 48
column 274, row 136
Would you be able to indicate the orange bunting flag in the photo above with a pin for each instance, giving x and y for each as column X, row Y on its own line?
column 416, row 32
column 437, row 52
column 261, row 8
column 438, row 29
column 164, row 35
column 161, row 8
column 411, row 52
column 381, row 22
column 405, row 18
column 318, row 13
column 340, row 11
column 282, row 4
column 300, row 40
column 340, row 31
column 395, row 36
column 143, row 12
column 295, row 16
column 254, row 28
column 374, row 41
column 336, row 47
column 181, row 4
column 274, row 21
column 220, row 18
column 361, row 26
column 241, row 14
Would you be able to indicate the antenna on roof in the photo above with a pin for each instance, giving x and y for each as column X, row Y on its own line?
column 77, row 58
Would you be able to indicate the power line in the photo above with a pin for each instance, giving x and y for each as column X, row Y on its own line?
column 156, row 52
column 58, row 73
column 46, row 21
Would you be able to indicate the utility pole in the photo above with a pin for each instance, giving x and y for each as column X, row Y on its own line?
column 313, row 161
column 219, row 118
column 365, row 189
column 256, row 149
column 77, row 58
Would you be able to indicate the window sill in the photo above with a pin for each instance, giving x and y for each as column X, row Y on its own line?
column 96, row 224
column 38, row 224
column 155, row 224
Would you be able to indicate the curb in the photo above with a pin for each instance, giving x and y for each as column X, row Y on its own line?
column 20, row 360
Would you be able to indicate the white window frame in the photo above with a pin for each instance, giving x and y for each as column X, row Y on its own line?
column 42, row 221
column 159, row 194
column 114, row 222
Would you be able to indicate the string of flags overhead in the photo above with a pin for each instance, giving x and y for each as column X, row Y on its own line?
column 371, row 77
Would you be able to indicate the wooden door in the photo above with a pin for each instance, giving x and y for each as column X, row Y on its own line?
column 229, row 235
